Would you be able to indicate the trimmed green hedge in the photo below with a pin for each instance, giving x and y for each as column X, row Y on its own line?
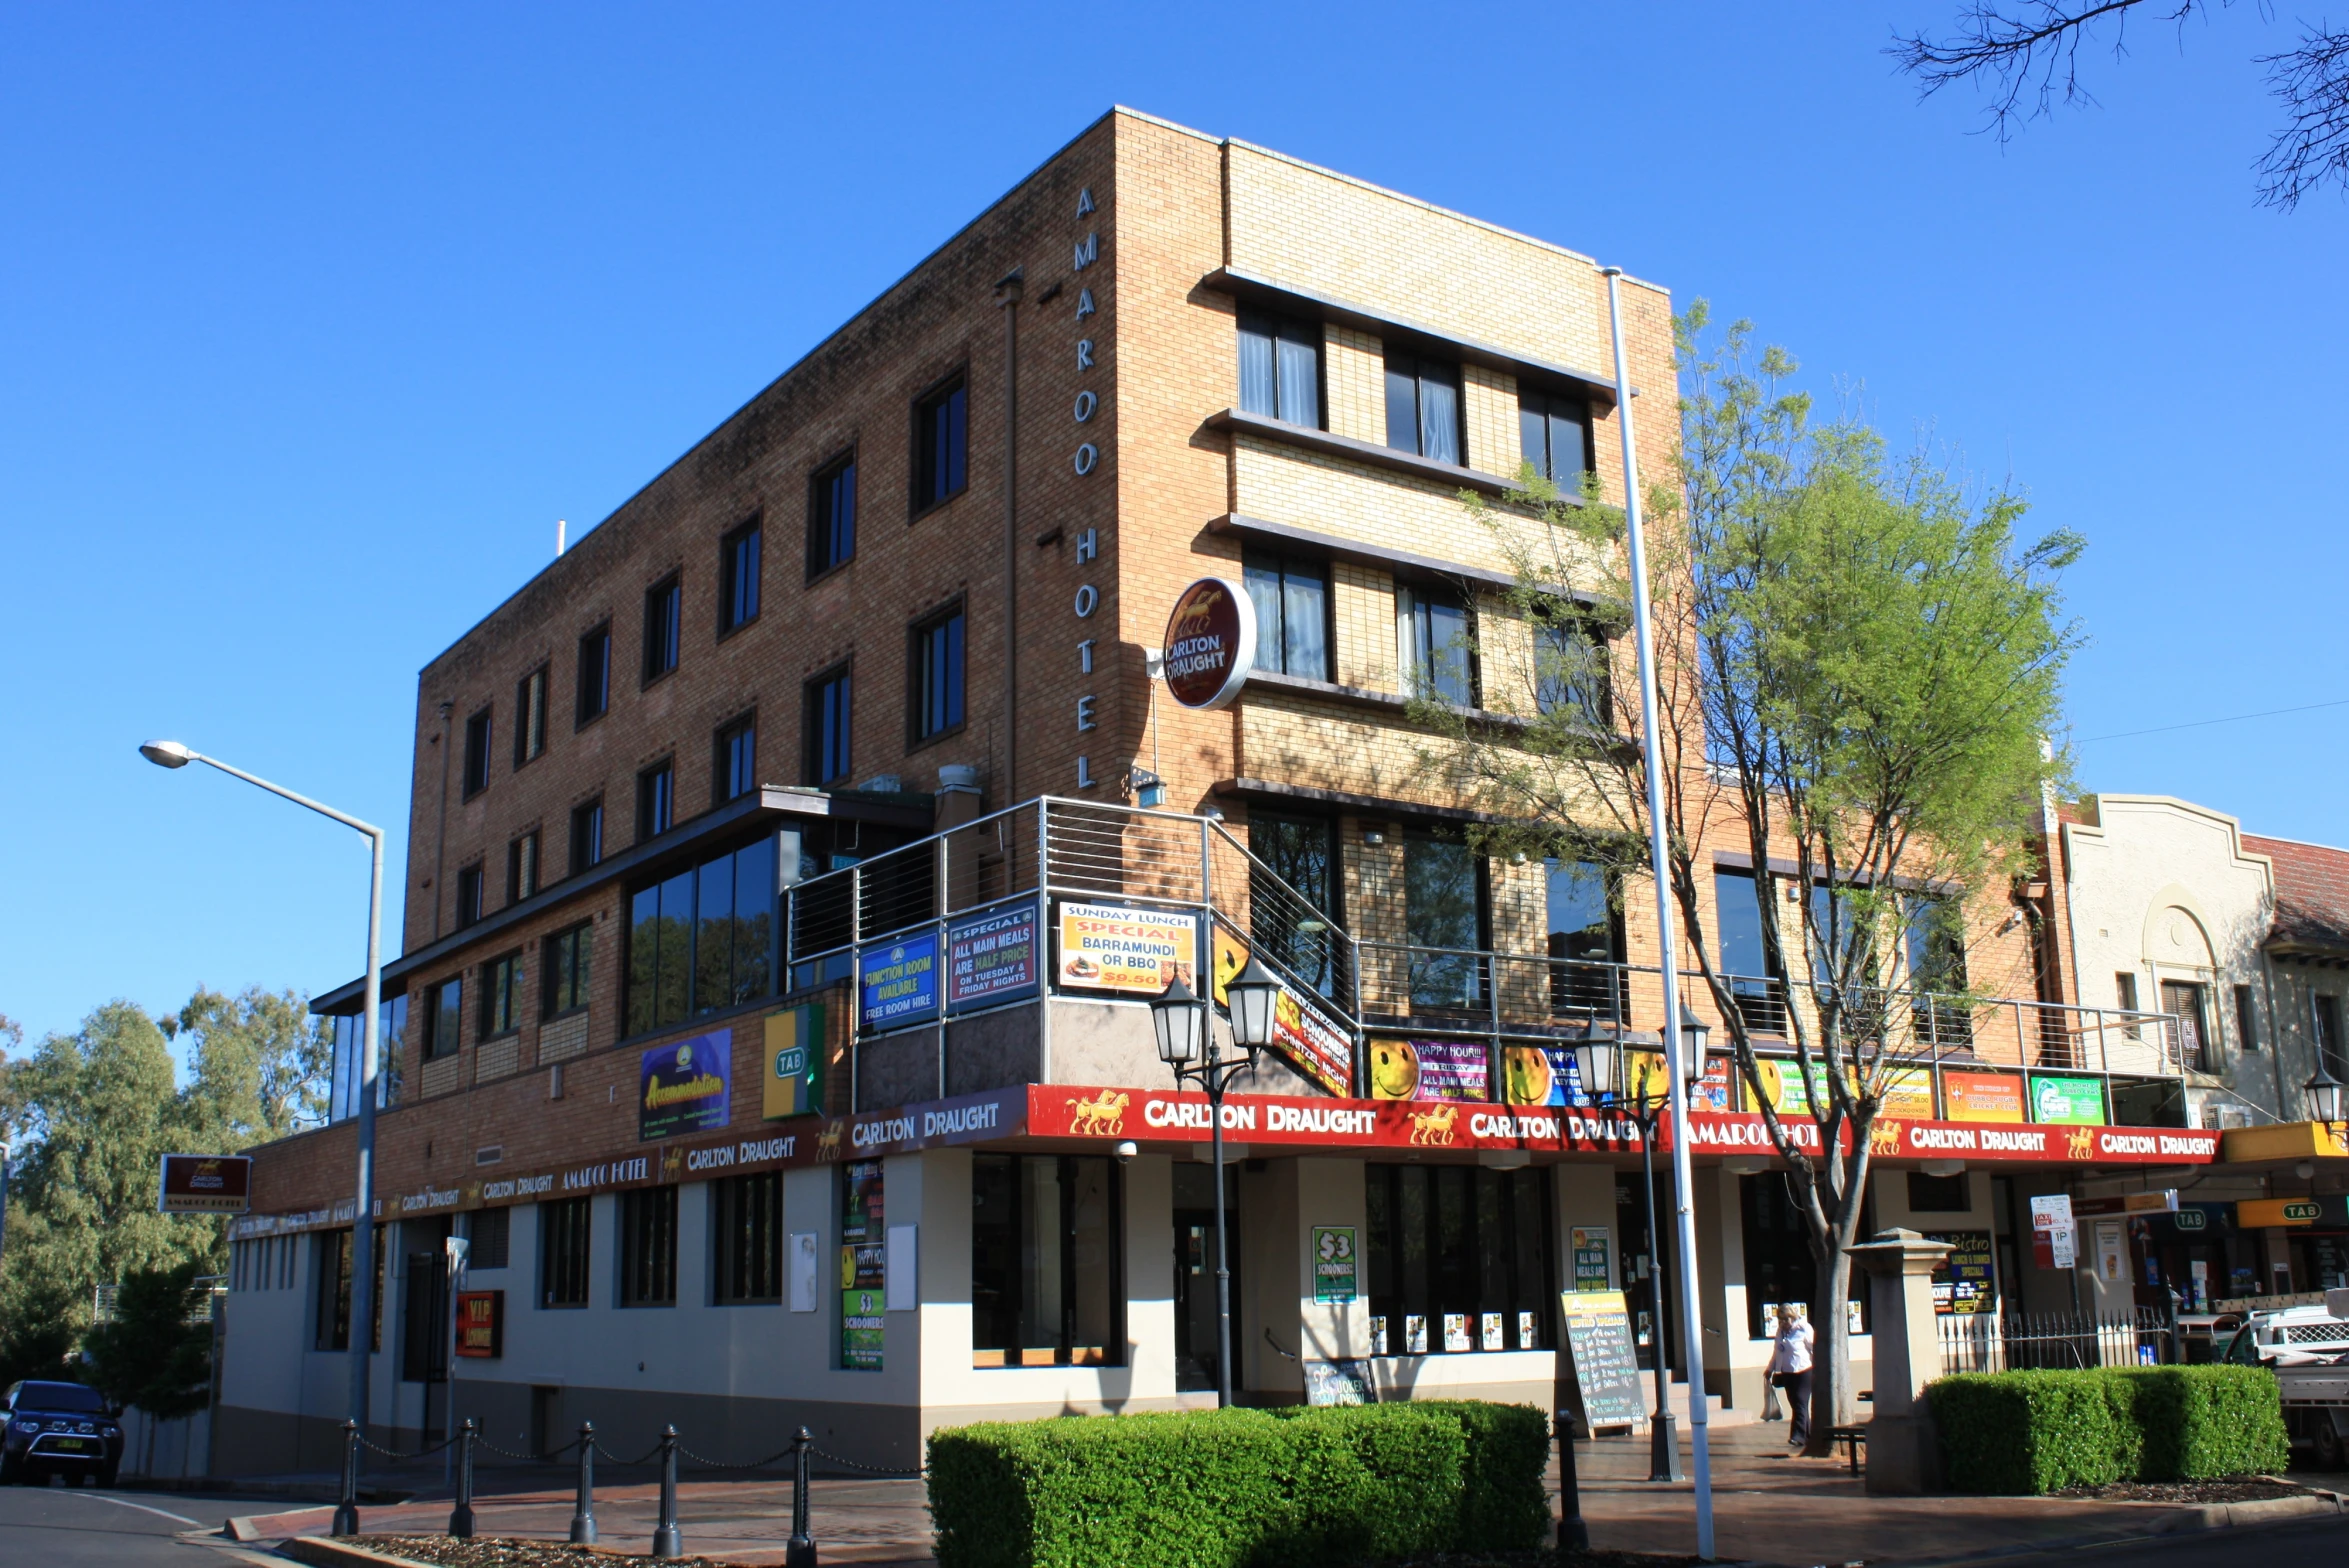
column 2032, row 1432
column 1292, row 1488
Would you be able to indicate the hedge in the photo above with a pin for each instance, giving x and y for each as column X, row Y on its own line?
column 2033, row 1432
column 1294, row 1488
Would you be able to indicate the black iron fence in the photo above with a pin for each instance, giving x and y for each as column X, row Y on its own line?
column 2047, row 1341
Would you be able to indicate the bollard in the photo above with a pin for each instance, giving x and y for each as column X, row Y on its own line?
column 666, row 1541
column 583, row 1511
column 1573, row 1534
column 346, row 1512
column 800, row 1550
column 461, row 1516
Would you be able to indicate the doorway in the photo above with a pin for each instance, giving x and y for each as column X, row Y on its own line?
column 1194, row 1273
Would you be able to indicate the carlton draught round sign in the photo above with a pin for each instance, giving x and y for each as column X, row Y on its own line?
column 1210, row 643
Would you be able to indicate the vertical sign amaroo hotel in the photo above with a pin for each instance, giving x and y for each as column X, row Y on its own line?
column 793, row 860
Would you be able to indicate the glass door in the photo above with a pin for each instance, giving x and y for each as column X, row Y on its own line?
column 1194, row 1273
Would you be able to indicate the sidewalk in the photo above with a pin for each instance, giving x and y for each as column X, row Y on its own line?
column 1767, row 1507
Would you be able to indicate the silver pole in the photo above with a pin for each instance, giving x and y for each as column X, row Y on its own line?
column 1683, row 1178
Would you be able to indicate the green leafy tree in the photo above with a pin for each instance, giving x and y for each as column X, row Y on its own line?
column 1856, row 668
column 156, row 1353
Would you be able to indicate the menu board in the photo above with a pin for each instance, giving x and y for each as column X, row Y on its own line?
column 1963, row 1286
column 1113, row 947
column 1593, row 1267
column 991, row 957
column 864, row 1256
column 1606, row 1369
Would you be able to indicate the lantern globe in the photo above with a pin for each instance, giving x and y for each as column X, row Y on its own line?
column 1175, row 1016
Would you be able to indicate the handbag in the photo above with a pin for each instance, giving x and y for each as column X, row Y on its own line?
column 1770, row 1409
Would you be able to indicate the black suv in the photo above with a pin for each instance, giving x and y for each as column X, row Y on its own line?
column 59, row 1426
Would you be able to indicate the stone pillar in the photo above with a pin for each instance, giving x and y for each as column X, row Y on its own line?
column 1904, row 1454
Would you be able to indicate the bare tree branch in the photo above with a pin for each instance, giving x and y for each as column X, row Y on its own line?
column 2312, row 83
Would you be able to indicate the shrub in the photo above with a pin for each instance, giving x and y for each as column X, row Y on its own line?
column 1239, row 1488
column 2030, row 1432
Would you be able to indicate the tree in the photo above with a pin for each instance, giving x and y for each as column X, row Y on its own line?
column 1856, row 669
column 2027, row 54
column 258, row 1066
column 157, row 1352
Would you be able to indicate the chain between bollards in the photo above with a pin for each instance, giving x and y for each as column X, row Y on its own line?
column 346, row 1512
column 1573, row 1534
column 800, row 1550
column 461, row 1516
column 667, row 1543
column 583, row 1511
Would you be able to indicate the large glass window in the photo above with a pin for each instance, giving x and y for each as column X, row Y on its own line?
column 1291, row 595
column 1302, row 853
column 1779, row 1268
column 702, row 940
column 831, row 516
column 1423, row 407
column 746, row 1225
column 332, row 1318
column 1570, row 667
column 826, row 728
column 1045, row 1287
column 738, row 577
column 501, row 988
column 1444, row 919
column 1460, row 1259
column 444, row 1018
column 1748, row 951
column 941, row 444
column 1438, row 660
column 562, row 1251
column 648, row 1247
column 595, row 675
column 936, row 677
column 664, row 605
column 350, row 1050
column 1585, row 938
column 1555, row 435
column 1280, row 368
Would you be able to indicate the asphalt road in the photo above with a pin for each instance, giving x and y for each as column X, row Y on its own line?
column 2320, row 1544
column 71, row 1526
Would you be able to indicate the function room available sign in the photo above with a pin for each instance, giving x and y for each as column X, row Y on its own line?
column 792, row 1079
column 1210, row 643
column 2070, row 1101
column 1110, row 947
column 991, row 958
column 205, row 1184
column 686, row 1086
column 1606, row 1369
column 898, row 983
column 1983, row 1097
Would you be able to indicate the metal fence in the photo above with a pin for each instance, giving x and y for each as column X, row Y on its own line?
column 2020, row 1341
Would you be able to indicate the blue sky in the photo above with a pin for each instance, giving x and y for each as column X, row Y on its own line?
column 314, row 320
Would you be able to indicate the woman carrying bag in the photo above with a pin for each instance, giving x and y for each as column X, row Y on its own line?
column 1790, row 1369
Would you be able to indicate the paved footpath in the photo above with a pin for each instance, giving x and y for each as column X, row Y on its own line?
column 1768, row 1507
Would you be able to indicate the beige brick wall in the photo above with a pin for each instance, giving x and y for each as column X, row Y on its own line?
column 1354, row 372
column 1489, row 410
column 1364, row 613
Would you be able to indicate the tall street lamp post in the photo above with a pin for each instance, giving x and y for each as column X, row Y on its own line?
column 171, row 754
column 1186, row 1043
column 1598, row 1060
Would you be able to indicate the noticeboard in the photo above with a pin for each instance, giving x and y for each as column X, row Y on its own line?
column 1606, row 1369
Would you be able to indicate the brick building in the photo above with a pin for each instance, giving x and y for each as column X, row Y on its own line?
column 782, row 912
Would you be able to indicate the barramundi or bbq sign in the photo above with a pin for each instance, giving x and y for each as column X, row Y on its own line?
column 1210, row 643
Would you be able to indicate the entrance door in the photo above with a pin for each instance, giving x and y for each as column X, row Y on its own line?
column 1636, row 1269
column 1194, row 1272
column 2193, row 1025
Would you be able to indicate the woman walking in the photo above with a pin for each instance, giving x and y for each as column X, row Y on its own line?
column 1790, row 1369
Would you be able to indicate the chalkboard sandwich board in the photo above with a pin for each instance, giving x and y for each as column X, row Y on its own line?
column 1604, row 1365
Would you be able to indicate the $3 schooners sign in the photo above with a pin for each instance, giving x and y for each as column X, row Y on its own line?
column 1210, row 643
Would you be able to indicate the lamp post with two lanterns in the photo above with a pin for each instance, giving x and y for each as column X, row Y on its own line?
column 1599, row 1060
column 1186, row 1043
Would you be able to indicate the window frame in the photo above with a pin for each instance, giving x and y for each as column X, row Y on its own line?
column 497, row 1011
column 1559, row 621
column 580, row 940
column 656, row 809
column 2246, row 1020
column 525, row 867
column 594, row 676
column 434, row 1048
column 648, row 1247
column 823, row 529
column 748, row 1242
column 471, row 897
column 1549, row 413
column 1419, row 365
column 1388, row 1256
column 1245, row 323
column 530, row 702
column 664, row 612
column 1282, row 566
column 722, row 741
column 1418, row 674
column 733, row 613
column 928, row 493
column 917, row 673
column 566, row 1226
column 473, row 773
column 586, row 811
column 1063, row 1352
column 812, row 725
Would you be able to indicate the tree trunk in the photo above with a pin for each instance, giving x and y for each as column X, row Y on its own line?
column 1832, row 1402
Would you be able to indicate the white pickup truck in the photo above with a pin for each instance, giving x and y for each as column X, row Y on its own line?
column 2307, row 1347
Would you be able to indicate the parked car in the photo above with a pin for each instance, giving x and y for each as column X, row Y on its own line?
column 63, row 1428
column 2307, row 1347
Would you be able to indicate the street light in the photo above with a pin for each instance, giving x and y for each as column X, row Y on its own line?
column 1186, row 1043
column 2324, row 1093
column 171, row 754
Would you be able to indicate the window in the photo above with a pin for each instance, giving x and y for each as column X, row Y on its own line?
column 826, row 728
column 1280, row 368
column 1301, row 853
column 831, row 516
column 488, row 1232
column 746, row 1217
column 562, row 1251
column 664, row 604
column 2327, row 1017
column 1438, row 661
column 738, row 577
column 1292, row 614
column 476, row 776
column 566, row 971
column 1585, row 936
column 1778, row 1264
column 734, row 759
column 1423, row 407
column 587, row 834
column 2124, row 992
column 656, row 800
column 1444, row 920
column 2246, row 1019
column 1554, row 433
column 1748, row 951
column 1570, row 669
column 1460, row 1259
column 648, row 1247
column 530, row 717
column 1938, row 1194
column 2189, row 1003
column 444, row 1018
column 1934, row 934
column 1045, row 1249
column 333, row 1300
column 501, row 980
column 468, row 895
column 703, row 939
column 595, row 675
column 935, row 682
column 522, row 868
column 941, row 444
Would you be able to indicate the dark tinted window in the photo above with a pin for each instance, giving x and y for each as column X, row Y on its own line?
column 1423, row 407
column 937, row 675
column 1570, row 667
column 1280, row 368
column 566, row 969
column 1291, row 595
column 831, row 516
column 522, row 868
column 648, row 1247
column 1436, row 644
column 490, row 1231
column 595, row 674
column 702, row 940
column 738, row 578
column 587, row 835
column 656, row 800
column 501, row 984
column 1459, row 1259
column 747, row 1224
column 477, row 753
column 1045, row 1287
column 444, row 1018
column 530, row 716
column 941, row 443
column 662, row 606
column 468, row 896
column 1555, row 435
column 60, row 1396
column 562, row 1252
column 734, row 759
column 826, row 727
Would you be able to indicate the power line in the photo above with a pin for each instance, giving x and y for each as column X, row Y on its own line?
column 2232, row 718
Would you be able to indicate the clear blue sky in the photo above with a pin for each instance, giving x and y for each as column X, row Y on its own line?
column 313, row 321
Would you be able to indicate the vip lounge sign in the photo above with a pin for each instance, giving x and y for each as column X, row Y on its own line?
column 1210, row 643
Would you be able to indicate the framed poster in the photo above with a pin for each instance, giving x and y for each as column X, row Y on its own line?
column 1594, row 1262
column 991, row 958
column 1334, row 1264
column 1430, row 1069
column 481, row 1324
column 1983, row 1097
column 898, row 984
column 686, row 1086
column 2075, row 1102
column 1139, row 952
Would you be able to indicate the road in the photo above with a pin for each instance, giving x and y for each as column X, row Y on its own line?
column 2315, row 1545
column 68, row 1527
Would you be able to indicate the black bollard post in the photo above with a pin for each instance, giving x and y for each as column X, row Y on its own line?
column 800, row 1550
column 461, row 1516
column 1573, row 1534
column 583, row 1511
column 346, row 1512
column 666, row 1541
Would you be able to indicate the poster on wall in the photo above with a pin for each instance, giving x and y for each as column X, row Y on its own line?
column 898, row 984
column 1645, row 1072
column 1334, row 1265
column 2112, row 1252
column 1109, row 947
column 864, row 1271
column 1593, row 1259
column 792, row 1074
column 1983, row 1097
column 1908, row 1091
column 2054, row 1237
column 2077, row 1102
column 991, row 958
column 1430, row 1069
column 481, row 1324
column 686, row 1086
column 1962, row 1286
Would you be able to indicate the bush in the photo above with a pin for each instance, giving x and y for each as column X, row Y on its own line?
column 1239, row 1488
column 2033, row 1432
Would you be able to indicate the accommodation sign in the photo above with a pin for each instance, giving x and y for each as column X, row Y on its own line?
column 686, row 1086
